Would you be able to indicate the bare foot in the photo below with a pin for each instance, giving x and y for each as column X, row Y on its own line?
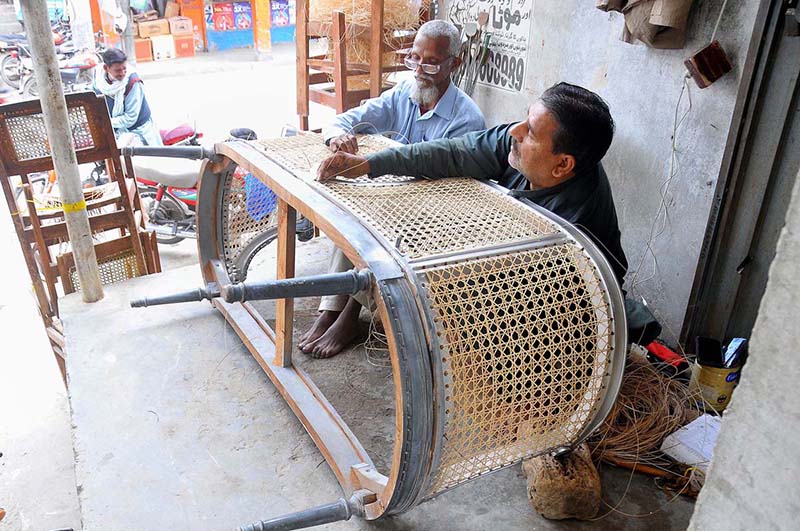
column 340, row 334
column 324, row 321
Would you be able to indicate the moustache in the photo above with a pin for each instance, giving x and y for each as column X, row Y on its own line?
column 514, row 146
column 423, row 78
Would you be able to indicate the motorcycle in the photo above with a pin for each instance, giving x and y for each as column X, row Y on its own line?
column 168, row 186
column 76, row 71
column 9, row 51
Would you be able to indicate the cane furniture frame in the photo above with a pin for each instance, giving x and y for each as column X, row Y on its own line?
column 481, row 379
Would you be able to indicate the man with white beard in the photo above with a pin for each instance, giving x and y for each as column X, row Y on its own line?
column 427, row 107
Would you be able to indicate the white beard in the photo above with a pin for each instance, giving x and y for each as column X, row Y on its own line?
column 424, row 96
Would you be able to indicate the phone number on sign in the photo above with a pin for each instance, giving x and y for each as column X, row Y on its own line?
column 503, row 70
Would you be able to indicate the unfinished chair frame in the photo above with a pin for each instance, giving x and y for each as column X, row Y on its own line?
column 448, row 427
column 314, row 86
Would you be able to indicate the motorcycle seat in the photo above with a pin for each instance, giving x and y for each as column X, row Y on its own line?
column 179, row 173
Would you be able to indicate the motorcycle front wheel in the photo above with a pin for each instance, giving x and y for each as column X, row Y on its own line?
column 30, row 88
column 9, row 70
column 169, row 210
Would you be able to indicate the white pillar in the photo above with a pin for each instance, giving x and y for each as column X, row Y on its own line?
column 65, row 162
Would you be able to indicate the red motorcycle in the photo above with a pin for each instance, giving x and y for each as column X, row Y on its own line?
column 168, row 187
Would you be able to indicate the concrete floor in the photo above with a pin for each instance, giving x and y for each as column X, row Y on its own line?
column 174, row 423
column 176, row 426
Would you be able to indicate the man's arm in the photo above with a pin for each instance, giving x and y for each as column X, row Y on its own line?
column 482, row 154
column 133, row 104
column 375, row 116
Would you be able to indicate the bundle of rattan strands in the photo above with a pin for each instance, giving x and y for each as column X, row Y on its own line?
column 398, row 15
column 649, row 407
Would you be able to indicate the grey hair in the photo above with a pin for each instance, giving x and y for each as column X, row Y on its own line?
column 433, row 29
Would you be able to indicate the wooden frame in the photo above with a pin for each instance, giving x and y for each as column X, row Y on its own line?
column 402, row 302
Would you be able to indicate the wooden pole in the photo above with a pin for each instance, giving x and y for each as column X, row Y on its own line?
column 54, row 109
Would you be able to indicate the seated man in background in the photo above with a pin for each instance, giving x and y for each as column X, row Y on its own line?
column 551, row 159
column 427, row 107
column 125, row 97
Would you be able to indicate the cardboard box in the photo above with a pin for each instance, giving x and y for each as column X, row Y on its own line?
column 184, row 45
column 147, row 15
column 163, row 47
column 181, row 26
column 144, row 50
column 172, row 10
column 153, row 28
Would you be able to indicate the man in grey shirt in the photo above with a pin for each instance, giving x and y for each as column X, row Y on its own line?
column 552, row 159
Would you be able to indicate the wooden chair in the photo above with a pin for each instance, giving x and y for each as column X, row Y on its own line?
column 314, row 74
column 124, row 249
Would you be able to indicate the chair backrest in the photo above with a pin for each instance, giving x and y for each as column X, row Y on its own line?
column 24, row 146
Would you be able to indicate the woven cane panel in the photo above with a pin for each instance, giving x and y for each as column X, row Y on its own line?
column 302, row 154
column 526, row 341
column 114, row 268
column 29, row 134
column 248, row 211
column 425, row 218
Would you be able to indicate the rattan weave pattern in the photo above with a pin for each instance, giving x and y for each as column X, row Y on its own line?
column 29, row 134
column 115, row 268
column 433, row 217
column 302, row 153
column 248, row 210
column 526, row 344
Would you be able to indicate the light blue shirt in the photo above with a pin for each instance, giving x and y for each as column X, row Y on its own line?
column 395, row 114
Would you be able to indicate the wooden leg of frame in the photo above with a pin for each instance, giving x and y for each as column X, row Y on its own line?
column 284, row 320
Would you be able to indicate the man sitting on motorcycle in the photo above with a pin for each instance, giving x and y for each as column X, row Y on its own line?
column 125, row 97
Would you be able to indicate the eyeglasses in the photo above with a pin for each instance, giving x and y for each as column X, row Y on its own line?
column 413, row 64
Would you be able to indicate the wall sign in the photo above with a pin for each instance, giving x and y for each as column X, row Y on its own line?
column 510, row 24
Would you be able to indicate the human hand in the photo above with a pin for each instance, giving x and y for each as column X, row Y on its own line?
column 342, row 164
column 346, row 143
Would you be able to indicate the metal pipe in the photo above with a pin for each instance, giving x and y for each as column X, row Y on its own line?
column 346, row 283
column 165, row 230
column 177, row 152
column 194, row 295
column 337, row 511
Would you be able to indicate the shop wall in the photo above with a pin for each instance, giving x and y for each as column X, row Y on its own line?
column 571, row 40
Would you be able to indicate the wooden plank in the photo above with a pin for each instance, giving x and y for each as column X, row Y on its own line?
column 58, row 232
column 339, row 446
column 302, row 63
column 27, row 252
column 44, row 251
column 339, row 61
column 376, row 51
column 284, row 317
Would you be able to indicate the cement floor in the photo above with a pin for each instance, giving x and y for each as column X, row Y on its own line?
column 176, row 426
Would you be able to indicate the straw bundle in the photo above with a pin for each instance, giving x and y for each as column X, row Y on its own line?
column 398, row 15
column 649, row 407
